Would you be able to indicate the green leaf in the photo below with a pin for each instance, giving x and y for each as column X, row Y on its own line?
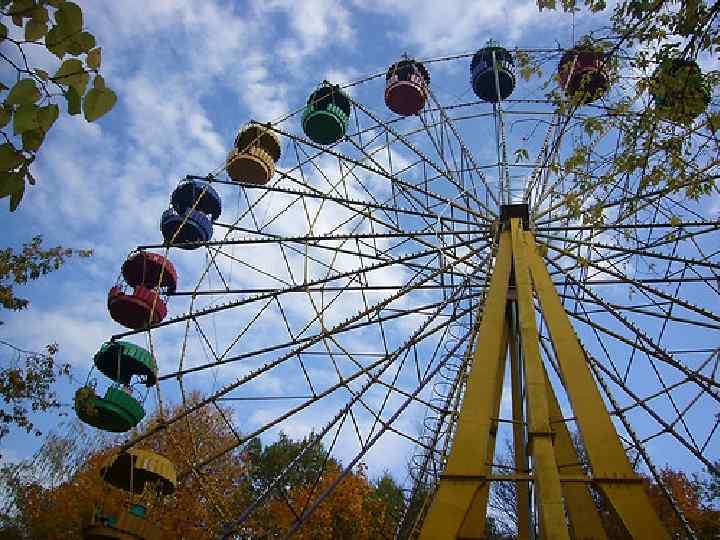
column 23, row 92
column 9, row 182
column 17, row 194
column 74, row 103
column 20, row 7
column 40, row 14
column 34, row 30
column 81, row 43
column 9, row 157
column 56, row 3
column 94, row 58
column 4, row 116
column 44, row 75
column 26, row 118
column 56, row 41
column 3, row 32
column 99, row 83
column 72, row 74
column 521, row 154
column 592, row 125
column 33, row 139
column 69, row 15
column 714, row 122
column 47, row 116
column 98, row 102
column 4, row 181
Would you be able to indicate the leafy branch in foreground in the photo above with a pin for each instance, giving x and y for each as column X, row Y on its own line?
column 28, row 108
column 664, row 110
column 27, row 377
column 26, row 386
column 28, row 264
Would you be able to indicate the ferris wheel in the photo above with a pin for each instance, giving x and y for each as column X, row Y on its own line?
column 398, row 268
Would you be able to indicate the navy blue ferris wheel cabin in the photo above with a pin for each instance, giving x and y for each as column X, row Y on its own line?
column 194, row 206
column 493, row 73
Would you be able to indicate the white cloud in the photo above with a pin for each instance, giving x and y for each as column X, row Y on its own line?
column 316, row 25
column 455, row 25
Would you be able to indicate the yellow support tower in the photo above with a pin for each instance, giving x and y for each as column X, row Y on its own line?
column 561, row 495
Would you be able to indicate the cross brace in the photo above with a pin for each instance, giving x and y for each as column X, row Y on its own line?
column 544, row 453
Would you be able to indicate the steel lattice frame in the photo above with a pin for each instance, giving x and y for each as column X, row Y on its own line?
column 350, row 287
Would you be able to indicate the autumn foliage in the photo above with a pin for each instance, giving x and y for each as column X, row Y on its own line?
column 351, row 512
column 206, row 501
column 691, row 498
column 688, row 493
column 197, row 507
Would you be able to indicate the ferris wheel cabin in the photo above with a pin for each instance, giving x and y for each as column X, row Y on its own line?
column 120, row 361
column 118, row 410
column 150, row 276
column 493, row 73
column 151, row 270
column 406, row 87
column 680, row 90
column 326, row 114
column 583, row 73
column 189, row 220
column 257, row 150
column 136, row 470
column 148, row 477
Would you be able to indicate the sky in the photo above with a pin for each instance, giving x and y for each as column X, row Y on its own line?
column 188, row 75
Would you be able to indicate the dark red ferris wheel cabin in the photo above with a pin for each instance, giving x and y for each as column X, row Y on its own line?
column 151, row 270
column 583, row 73
column 138, row 309
column 150, row 276
column 406, row 87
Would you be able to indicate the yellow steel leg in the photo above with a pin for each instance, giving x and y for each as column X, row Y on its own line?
column 458, row 509
column 583, row 514
column 522, row 490
column 611, row 470
column 467, row 467
column 547, row 479
column 473, row 527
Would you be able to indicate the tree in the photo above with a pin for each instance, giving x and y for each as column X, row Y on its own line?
column 30, row 94
column 53, row 495
column 694, row 497
column 28, row 109
column 61, row 456
column 356, row 509
column 391, row 497
column 269, row 461
column 27, row 378
column 691, row 498
column 711, row 484
column 669, row 149
column 198, row 508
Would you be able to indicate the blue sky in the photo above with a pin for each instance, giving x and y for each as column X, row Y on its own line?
column 188, row 75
